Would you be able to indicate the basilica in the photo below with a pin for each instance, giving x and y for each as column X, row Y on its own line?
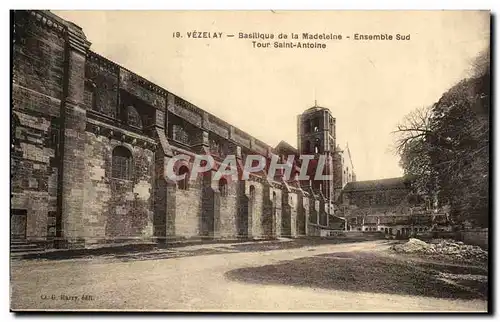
column 90, row 142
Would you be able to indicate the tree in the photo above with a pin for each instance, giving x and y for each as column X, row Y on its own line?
column 445, row 148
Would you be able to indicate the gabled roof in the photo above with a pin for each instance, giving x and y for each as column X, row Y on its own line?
column 381, row 184
column 287, row 147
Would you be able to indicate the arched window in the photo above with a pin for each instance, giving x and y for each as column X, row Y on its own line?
column 183, row 184
column 307, row 126
column 316, row 125
column 223, row 187
column 252, row 192
column 214, row 146
column 317, row 146
column 307, row 147
column 122, row 163
column 133, row 117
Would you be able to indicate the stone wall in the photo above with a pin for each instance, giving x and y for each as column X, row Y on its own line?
column 271, row 211
column 303, row 214
column 229, row 212
column 117, row 209
column 389, row 197
column 70, row 110
column 255, row 207
column 34, row 174
column 38, row 57
column 37, row 89
column 289, row 214
column 188, row 210
column 477, row 237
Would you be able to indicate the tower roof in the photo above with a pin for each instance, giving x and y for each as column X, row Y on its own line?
column 315, row 109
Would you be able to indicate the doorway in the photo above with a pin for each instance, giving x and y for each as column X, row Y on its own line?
column 18, row 219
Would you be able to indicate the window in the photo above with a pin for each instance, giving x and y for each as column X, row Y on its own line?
column 54, row 136
column 179, row 134
column 122, row 163
column 51, row 224
column 214, row 146
column 223, row 187
column 307, row 148
column 252, row 193
column 316, row 125
column 317, row 146
column 183, row 184
column 308, row 127
column 133, row 117
column 90, row 94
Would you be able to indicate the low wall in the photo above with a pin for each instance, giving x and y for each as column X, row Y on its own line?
column 313, row 230
column 357, row 235
column 478, row 237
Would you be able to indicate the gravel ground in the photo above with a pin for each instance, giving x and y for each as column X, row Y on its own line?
column 204, row 283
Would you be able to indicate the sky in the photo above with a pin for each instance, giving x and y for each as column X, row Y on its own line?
column 369, row 86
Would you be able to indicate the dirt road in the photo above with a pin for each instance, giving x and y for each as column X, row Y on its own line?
column 199, row 283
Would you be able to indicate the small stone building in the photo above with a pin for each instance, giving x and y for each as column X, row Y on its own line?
column 388, row 206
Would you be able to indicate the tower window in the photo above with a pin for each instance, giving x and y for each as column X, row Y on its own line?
column 308, row 126
column 316, row 125
column 317, row 145
column 121, row 163
column 307, row 148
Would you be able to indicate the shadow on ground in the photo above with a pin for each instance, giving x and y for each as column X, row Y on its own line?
column 151, row 251
column 232, row 248
column 367, row 272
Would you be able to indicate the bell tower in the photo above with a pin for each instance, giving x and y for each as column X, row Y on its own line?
column 316, row 136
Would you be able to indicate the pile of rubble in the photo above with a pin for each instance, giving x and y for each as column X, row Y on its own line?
column 452, row 248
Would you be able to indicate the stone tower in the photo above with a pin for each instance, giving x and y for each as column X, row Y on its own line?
column 316, row 136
